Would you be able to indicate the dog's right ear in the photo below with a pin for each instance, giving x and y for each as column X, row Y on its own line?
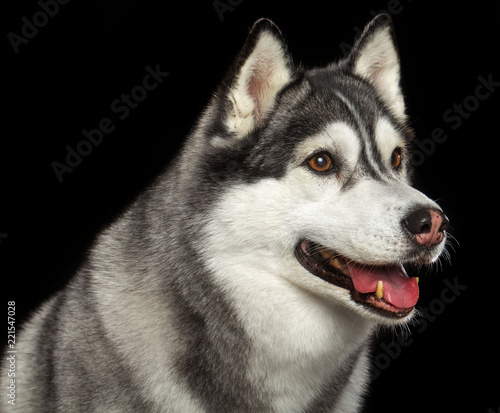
column 261, row 70
column 375, row 58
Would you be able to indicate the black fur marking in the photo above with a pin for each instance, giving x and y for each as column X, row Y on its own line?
column 212, row 358
column 214, row 363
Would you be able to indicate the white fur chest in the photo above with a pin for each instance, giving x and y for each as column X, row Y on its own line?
column 300, row 346
column 299, row 341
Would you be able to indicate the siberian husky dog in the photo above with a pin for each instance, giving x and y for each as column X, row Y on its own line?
column 250, row 276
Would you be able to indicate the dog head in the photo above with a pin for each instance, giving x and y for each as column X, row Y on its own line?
column 313, row 169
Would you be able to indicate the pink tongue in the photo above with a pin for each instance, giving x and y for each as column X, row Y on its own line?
column 399, row 290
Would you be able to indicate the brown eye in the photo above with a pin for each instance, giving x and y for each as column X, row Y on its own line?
column 396, row 158
column 321, row 162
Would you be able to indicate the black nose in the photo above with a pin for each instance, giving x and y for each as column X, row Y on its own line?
column 427, row 225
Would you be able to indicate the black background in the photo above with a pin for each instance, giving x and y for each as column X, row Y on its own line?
column 64, row 79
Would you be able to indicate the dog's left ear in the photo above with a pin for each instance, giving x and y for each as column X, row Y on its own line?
column 375, row 58
column 260, row 71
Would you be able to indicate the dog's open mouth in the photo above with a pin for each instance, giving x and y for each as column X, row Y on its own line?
column 384, row 289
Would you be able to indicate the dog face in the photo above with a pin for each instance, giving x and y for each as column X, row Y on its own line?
column 318, row 193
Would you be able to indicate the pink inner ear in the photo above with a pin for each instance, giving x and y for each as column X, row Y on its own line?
column 258, row 88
